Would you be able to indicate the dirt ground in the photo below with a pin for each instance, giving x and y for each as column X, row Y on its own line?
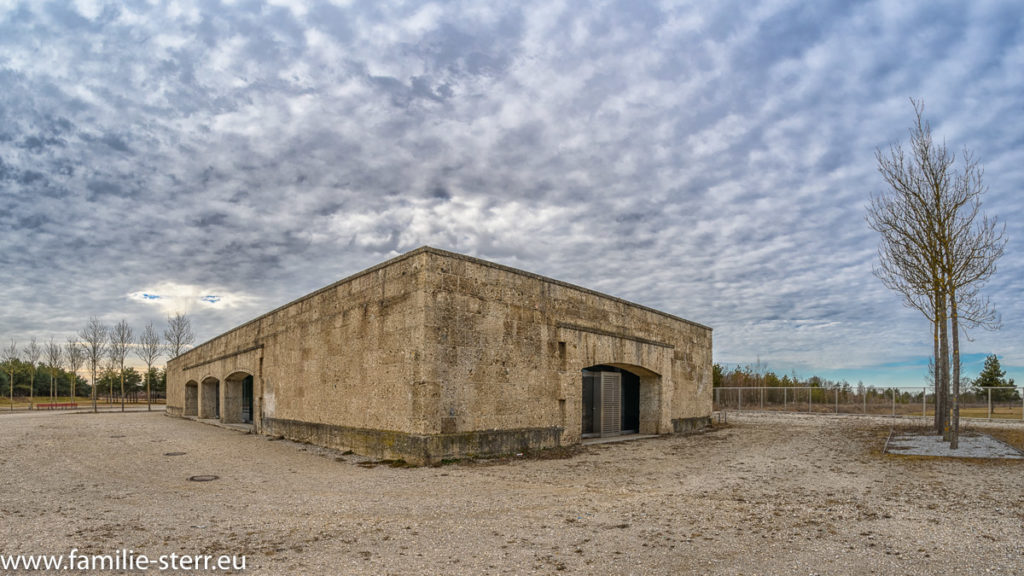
column 768, row 494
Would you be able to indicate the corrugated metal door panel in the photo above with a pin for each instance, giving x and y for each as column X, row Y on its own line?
column 611, row 403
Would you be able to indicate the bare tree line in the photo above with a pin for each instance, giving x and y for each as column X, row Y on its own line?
column 937, row 250
column 96, row 343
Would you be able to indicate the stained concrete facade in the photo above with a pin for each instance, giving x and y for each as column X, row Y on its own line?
column 436, row 355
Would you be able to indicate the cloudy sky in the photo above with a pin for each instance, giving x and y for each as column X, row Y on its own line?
column 710, row 159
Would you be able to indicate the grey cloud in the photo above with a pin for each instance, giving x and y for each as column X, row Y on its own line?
column 334, row 20
column 211, row 220
column 100, row 188
column 718, row 171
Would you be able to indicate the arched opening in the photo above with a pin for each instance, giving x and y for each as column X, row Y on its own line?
column 611, row 401
column 238, row 398
column 191, row 398
column 209, row 398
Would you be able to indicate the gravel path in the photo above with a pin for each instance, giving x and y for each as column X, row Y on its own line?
column 767, row 494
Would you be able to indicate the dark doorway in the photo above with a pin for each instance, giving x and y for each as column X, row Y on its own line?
column 589, row 378
column 630, row 403
column 247, row 400
column 610, row 402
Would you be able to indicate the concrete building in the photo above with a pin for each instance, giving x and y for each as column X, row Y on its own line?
column 436, row 355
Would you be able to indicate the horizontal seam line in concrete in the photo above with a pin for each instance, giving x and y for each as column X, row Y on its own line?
column 222, row 357
column 600, row 332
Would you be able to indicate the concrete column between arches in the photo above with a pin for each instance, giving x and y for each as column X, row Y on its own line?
column 209, row 398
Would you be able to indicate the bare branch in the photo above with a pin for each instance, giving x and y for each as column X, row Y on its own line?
column 94, row 338
column 178, row 335
column 121, row 339
column 148, row 350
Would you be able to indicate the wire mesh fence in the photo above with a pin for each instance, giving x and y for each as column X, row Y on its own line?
column 990, row 403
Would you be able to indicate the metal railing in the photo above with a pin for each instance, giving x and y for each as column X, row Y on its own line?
column 990, row 403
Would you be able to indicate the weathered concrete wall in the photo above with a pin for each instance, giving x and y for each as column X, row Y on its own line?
column 436, row 355
column 348, row 354
column 507, row 349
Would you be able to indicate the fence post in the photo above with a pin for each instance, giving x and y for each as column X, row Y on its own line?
column 989, row 403
column 924, row 402
column 762, row 399
column 893, row 402
column 837, row 400
column 785, row 390
column 810, row 399
column 865, row 401
column 739, row 399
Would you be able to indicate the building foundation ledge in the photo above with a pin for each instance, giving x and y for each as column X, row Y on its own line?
column 417, row 449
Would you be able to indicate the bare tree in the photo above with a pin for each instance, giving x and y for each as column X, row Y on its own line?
column 909, row 255
column 120, row 340
column 11, row 358
column 972, row 248
column 148, row 350
column 94, row 339
column 75, row 355
column 178, row 334
column 32, row 353
column 110, row 374
column 935, row 251
column 55, row 360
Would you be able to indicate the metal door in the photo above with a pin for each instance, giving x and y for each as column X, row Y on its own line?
column 611, row 403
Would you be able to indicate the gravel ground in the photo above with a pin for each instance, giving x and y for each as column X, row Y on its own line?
column 970, row 446
column 766, row 494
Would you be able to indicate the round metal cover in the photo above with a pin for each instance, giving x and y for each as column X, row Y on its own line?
column 203, row 478
column 174, row 453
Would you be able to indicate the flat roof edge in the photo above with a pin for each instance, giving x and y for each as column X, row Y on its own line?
column 312, row 294
column 445, row 254
column 489, row 264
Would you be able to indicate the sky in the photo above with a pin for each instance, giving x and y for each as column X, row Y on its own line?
column 710, row 159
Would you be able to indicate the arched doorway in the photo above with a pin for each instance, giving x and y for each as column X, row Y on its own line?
column 209, row 398
column 611, row 401
column 191, row 398
column 238, row 398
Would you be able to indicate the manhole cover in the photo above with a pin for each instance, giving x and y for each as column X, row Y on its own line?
column 202, row 478
column 174, row 453
column 118, row 436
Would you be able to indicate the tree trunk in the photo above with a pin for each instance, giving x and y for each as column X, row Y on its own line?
column 942, row 365
column 954, row 441
column 936, row 366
